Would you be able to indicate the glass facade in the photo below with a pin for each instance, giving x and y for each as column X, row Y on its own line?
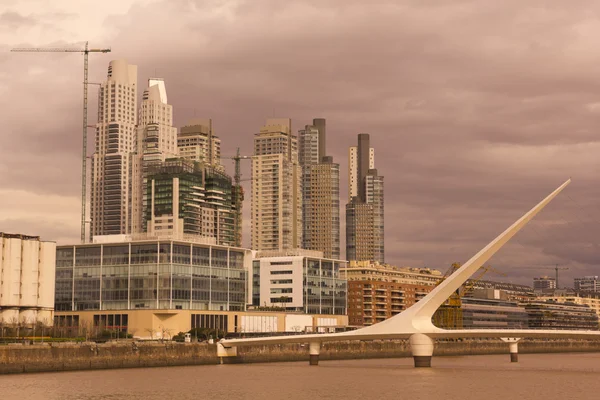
column 325, row 290
column 552, row 315
column 166, row 275
column 492, row 314
column 205, row 198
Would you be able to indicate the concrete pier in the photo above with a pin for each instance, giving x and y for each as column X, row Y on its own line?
column 422, row 350
column 314, row 351
column 513, row 348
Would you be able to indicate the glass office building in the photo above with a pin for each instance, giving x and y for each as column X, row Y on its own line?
column 151, row 274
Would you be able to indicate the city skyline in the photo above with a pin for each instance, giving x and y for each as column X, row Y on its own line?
column 461, row 152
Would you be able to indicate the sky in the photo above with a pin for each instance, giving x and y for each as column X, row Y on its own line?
column 477, row 109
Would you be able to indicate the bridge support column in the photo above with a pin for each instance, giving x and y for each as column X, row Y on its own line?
column 513, row 348
column 422, row 350
column 228, row 353
column 314, row 351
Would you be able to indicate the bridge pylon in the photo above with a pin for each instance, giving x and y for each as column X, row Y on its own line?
column 513, row 348
column 421, row 347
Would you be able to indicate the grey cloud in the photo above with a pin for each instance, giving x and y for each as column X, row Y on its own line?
column 13, row 20
column 476, row 109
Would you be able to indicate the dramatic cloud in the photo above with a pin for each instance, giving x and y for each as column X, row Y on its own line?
column 476, row 109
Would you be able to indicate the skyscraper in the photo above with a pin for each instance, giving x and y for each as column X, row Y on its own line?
column 197, row 142
column 115, row 141
column 276, row 210
column 364, row 211
column 320, row 192
column 156, row 141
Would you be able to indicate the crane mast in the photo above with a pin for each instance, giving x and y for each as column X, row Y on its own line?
column 85, row 51
column 238, row 195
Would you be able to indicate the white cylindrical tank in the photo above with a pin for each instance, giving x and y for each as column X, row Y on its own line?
column 1, row 268
column 28, row 316
column 9, row 316
column 46, row 317
column 11, row 273
column 29, row 273
column 47, row 271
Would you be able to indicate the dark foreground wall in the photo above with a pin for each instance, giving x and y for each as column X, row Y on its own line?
column 85, row 356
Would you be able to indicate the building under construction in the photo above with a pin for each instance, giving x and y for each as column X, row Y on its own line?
column 451, row 315
column 189, row 197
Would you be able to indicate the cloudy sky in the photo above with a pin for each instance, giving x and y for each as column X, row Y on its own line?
column 476, row 108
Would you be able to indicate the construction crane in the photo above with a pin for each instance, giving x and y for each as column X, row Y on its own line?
column 238, row 194
column 556, row 268
column 85, row 51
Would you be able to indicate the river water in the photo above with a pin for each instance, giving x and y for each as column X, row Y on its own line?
column 535, row 377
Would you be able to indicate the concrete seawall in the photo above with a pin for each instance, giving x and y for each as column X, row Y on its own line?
column 88, row 356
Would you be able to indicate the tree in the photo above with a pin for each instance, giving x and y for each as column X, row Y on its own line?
column 14, row 323
column 151, row 332
column 165, row 332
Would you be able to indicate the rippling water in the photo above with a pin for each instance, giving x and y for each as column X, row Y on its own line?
column 542, row 376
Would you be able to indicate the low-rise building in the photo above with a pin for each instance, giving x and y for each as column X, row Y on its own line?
column 379, row 291
column 159, row 324
column 491, row 309
column 514, row 292
column 553, row 315
column 27, row 279
column 299, row 280
column 117, row 273
column 544, row 284
column 154, row 287
column 587, row 284
column 592, row 301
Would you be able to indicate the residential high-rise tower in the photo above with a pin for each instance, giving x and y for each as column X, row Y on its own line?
column 276, row 210
column 364, row 211
column 115, row 141
column 197, row 142
column 320, row 192
column 156, row 141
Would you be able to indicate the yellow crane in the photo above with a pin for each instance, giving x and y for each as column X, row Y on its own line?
column 450, row 314
column 85, row 51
